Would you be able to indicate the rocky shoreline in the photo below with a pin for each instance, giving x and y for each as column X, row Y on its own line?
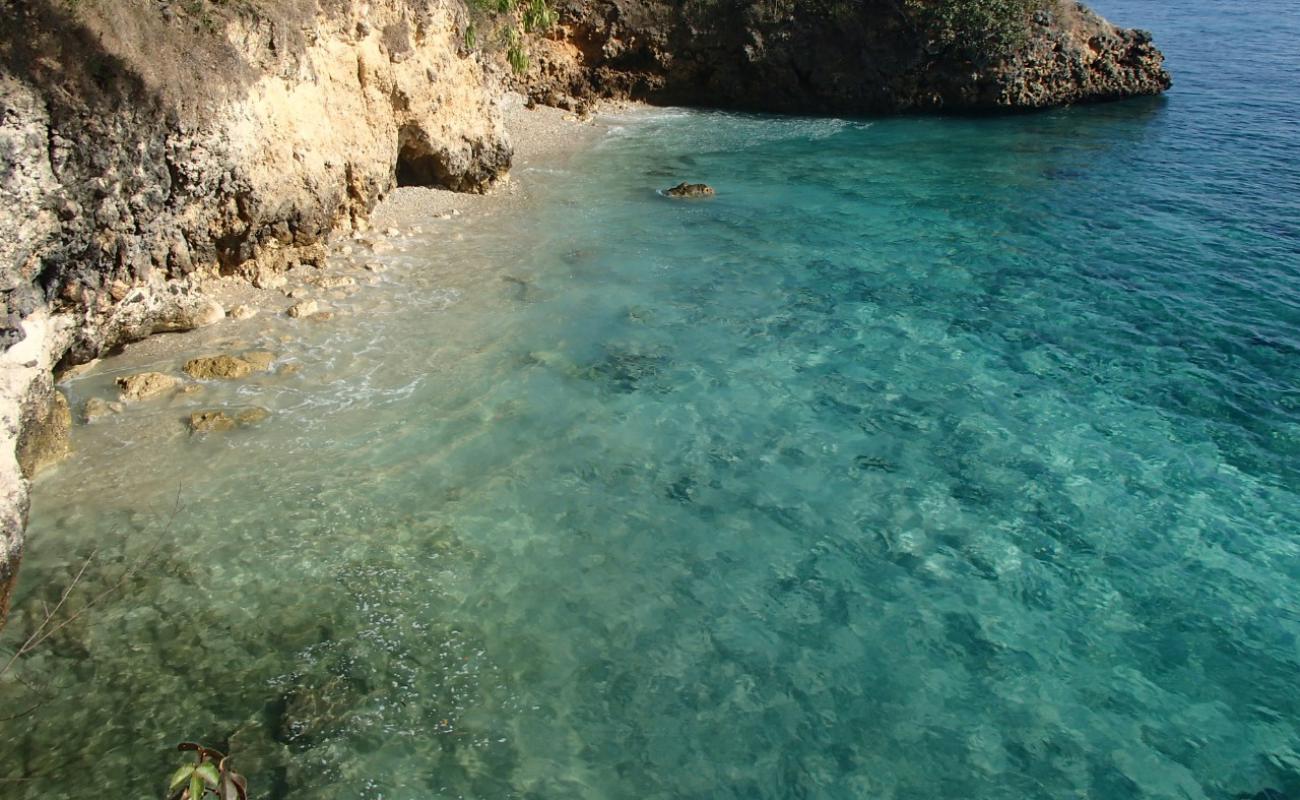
column 163, row 165
column 37, row 423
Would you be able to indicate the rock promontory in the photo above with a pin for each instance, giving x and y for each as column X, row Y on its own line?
column 843, row 56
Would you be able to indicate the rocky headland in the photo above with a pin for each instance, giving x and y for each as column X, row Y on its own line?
column 153, row 153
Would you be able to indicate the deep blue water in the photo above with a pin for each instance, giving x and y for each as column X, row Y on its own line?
column 934, row 458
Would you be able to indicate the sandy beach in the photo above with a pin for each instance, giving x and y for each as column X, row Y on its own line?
column 541, row 136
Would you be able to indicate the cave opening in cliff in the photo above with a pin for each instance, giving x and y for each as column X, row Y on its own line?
column 417, row 164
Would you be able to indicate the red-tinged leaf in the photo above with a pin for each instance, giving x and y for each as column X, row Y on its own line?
column 241, row 785
column 189, row 746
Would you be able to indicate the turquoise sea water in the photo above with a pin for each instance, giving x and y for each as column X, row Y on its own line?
column 934, row 458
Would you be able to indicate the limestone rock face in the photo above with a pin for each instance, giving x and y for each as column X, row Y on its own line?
column 137, row 159
column 43, row 438
column 32, row 423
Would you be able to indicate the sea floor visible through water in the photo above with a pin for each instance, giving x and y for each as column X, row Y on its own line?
column 934, row 457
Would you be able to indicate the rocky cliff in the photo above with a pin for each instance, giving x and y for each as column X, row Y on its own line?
column 148, row 145
column 834, row 56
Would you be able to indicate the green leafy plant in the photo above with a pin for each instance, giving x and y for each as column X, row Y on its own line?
column 208, row 775
column 977, row 28
column 539, row 17
column 507, row 24
column 516, row 54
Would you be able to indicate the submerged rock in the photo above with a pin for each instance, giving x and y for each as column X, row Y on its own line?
column 874, row 463
column 304, row 309
column 685, row 189
column 215, row 420
column 624, row 372
column 145, row 385
column 209, row 421
column 260, row 359
column 241, row 312
column 227, row 367
column 334, row 281
column 252, row 416
column 96, row 407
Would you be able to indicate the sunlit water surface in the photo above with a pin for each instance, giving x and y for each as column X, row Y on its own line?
column 934, row 458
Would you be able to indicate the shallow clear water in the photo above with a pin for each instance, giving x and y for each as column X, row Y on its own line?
column 933, row 458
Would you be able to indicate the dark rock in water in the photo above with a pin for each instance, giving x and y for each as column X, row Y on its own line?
column 682, row 489
column 625, row 372
column 874, row 463
column 684, row 189
column 518, row 288
column 317, row 709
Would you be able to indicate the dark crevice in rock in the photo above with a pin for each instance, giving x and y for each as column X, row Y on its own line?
column 417, row 164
